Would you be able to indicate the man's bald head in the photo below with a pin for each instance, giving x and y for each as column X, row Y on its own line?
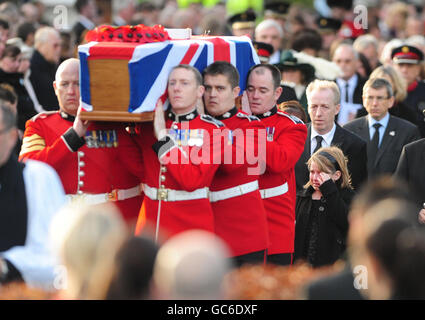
column 67, row 85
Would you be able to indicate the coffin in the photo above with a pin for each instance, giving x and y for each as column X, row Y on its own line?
column 122, row 81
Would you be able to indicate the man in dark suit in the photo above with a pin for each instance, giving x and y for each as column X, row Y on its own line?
column 410, row 168
column 350, row 83
column 385, row 134
column 323, row 105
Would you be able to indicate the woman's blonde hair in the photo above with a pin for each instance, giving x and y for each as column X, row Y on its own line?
column 329, row 160
column 398, row 82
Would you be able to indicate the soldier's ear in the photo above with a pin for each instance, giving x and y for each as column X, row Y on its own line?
column 236, row 91
column 54, row 85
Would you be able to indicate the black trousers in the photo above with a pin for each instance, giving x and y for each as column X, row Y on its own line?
column 258, row 257
column 280, row 259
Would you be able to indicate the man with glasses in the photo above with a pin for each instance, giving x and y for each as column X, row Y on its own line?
column 385, row 134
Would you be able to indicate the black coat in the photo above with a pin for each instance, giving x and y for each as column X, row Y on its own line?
column 410, row 168
column 415, row 101
column 398, row 133
column 353, row 147
column 42, row 77
column 25, row 106
column 333, row 222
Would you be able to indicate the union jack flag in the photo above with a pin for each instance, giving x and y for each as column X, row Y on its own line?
column 155, row 60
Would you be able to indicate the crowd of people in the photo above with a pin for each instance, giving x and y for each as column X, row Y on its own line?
column 306, row 185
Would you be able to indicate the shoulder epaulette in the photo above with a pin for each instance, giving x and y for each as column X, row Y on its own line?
column 208, row 118
column 247, row 116
column 295, row 119
column 43, row 115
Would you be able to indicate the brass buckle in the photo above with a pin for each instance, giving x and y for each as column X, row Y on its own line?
column 162, row 194
column 113, row 195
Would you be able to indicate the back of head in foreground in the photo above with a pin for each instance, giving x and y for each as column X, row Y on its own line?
column 86, row 239
column 191, row 266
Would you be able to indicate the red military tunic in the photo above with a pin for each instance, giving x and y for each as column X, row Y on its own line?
column 172, row 165
column 94, row 169
column 240, row 220
column 286, row 136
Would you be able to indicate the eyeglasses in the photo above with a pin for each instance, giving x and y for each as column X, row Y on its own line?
column 378, row 98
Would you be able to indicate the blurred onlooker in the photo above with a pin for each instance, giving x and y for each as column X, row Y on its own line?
column 407, row 60
column 146, row 13
column 399, row 86
column 322, row 209
column 385, row 57
column 270, row 31
column 10, row 12
column 67, row 46
column 242, row 24
column 26, row 212
column 192, row 266
column 396, row 18
column 328, row 29
column 86, row 240
column 414, row 26
column 123, row 12
column 134, row 270
column 44, row 62
column 4, row 34
column 277, row 10
column 9, row 98
column 368, row 46
column 26, row 31
column 296, row 75
column 9, row 73
column 350, row 83
column 30, row 13
column 363, row 67
column 308, row 41
column 295, row 108
column 87, row 12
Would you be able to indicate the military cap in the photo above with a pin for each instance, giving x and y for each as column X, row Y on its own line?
column 345, row 4
column 407, row 54
column 264, row 50
column 276, row 8
column 243, row 20
column 328, row 24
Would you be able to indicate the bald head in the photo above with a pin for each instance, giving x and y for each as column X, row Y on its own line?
column 67, row 85
column 346, row 58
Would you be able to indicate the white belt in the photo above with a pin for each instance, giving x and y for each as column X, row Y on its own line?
column 114, row 195
column 174, row 195
column 275, row 191
column 233, row 192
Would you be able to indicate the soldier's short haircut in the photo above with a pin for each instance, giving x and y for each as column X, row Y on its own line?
column 260, row 68
column 197, row 74
column 378, row 83
column 223, row 68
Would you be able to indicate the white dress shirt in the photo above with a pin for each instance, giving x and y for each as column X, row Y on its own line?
column 327, row 138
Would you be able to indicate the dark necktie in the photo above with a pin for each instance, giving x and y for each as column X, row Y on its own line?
column 319, row 140
column 375, row 142
column 346, row 92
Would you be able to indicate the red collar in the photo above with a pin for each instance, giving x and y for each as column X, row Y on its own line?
column 412, row 86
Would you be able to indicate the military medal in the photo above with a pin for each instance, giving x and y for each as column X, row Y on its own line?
column 199, row 141
column 108, row 138
column 114, row 138
column 270, row 133
column 101, row 139
column 192, row 137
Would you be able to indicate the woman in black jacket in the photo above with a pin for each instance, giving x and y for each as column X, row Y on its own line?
column 322, row 209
